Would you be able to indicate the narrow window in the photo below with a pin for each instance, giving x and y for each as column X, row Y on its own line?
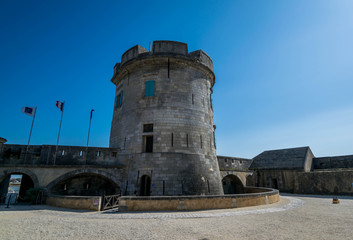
column 201, row 140
column 114, row 154
column 149, row 88
column 121, row 99
column 172, row 139
column 163, row 187
column 192, row 98
column 81, row 153
column 63, row 153
column 98, row 153
column 149, row 144
column 168, row 67
column 225, row 160
column 187, row 140
column 124, row 143
column 147, row 128
column 203, row 101
column 214, row 139
column 211, row 101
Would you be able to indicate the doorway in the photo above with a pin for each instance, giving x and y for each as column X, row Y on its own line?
column 274, row 183
column 16, row 183
column 145, row 186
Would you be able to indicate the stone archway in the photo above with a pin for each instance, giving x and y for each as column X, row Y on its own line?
column 19, row 170
column 232, row 185
column 250, row 181
column 84, row 183
column 28, row 180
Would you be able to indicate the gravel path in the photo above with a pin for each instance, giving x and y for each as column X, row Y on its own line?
column 294, row 217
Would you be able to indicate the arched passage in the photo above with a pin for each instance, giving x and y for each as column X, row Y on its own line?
column 20, row 183
column 250, row 180
column 232, row 185
column 83, row 184
column 145, row 186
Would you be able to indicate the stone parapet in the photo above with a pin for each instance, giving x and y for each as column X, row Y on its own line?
column 252, row 197
column 169, row 49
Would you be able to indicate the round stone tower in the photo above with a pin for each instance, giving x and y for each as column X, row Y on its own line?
column 163, row 121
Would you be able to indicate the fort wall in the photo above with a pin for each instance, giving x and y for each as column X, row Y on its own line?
column 333, row 162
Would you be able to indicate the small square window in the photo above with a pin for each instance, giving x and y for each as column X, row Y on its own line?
column 147, row 128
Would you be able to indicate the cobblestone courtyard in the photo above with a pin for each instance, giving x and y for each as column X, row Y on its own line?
column 294, row 217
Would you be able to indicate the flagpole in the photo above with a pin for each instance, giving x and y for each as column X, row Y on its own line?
column 30, row 133
column 89, row 129
column 57, row 141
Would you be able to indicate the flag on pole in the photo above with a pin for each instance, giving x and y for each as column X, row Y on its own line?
column 30, row 111
column 60, row 105
column 91, row 113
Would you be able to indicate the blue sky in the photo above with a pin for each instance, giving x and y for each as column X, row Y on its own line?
column 284, row 69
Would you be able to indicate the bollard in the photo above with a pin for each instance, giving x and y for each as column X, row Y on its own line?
column 8, row 202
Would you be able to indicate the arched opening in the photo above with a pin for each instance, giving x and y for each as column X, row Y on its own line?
column 250, row 180
column 16, row 183
column 145, row 186
column 85, row 184
column 232, row 185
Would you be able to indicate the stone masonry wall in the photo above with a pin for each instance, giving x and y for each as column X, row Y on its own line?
column 184, row 153
column 333, row 162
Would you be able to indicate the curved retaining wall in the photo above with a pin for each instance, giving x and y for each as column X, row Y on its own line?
column 75, row 202
column 252, row 197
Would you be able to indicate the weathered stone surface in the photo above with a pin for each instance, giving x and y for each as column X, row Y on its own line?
column 183, row 161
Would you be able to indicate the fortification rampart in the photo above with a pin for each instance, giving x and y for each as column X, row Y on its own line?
column 233, row 163
column 15, row 154
column 333, row 162
column 168, row 49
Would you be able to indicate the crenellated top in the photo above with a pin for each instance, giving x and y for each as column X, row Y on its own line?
column 164, row 48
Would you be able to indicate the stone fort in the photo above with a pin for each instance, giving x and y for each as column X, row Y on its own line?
column 162, row 142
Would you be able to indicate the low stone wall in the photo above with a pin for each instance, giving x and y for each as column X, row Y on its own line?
column 75, row 202
column 253, row 197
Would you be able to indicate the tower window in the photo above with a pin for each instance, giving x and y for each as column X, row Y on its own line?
column 119, row 100
column 149, row 88
column 214, row 139
column 211, row 102
column 148, row 144
column 172, row 139
column 147, row 128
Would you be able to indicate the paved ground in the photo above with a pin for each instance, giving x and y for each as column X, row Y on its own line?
column 294, row 217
